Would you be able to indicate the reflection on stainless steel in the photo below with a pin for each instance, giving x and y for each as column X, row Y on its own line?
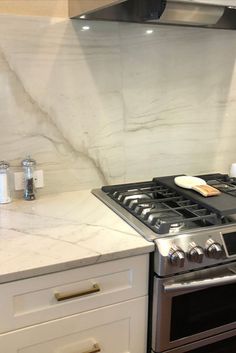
column 201, row 13
column 198, row 285
column 196, row 253
column 176, row 256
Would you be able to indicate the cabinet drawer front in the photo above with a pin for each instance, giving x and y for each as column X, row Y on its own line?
column 31, row 301
column 118, row 328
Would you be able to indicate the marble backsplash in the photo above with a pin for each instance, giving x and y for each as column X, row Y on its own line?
column 102, row 103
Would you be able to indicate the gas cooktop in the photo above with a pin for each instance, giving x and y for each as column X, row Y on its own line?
column 165, row 208
column 190, row 231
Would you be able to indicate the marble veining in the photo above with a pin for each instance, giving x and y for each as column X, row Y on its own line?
column 60, row 232
column 115, row 103
column 44, row 129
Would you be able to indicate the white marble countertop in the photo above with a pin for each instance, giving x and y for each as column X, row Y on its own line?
column 60, row 232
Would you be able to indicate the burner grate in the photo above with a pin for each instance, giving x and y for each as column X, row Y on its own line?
column 160, row 208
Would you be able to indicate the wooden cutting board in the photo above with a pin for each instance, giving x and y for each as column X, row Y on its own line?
column 222, row 204
column 197, row 184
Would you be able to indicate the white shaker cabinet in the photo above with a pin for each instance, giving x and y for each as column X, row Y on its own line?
column 98, row 308
column 118, row 328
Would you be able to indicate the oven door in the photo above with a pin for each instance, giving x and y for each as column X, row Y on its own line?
column 194, row 307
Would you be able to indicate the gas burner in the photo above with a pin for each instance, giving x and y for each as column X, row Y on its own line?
column 175, row 228
column 161, row 208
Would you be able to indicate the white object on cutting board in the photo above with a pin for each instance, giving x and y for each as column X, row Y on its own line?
column 197, row 184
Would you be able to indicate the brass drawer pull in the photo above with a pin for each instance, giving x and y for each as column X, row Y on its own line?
column 69, row 295
column 95, row 349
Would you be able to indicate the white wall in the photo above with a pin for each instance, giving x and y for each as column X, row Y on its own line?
column 114, row 104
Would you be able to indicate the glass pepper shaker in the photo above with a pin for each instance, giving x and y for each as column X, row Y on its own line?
column 5, row 196
column 28, row 165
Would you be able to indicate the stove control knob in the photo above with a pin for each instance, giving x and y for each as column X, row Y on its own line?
column 214, row 250
column 176, row 256
column 195, row 253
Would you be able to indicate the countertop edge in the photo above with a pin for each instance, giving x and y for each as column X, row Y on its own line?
column 93, row 260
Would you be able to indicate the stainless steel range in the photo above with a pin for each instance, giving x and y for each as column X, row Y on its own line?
column 194, row 281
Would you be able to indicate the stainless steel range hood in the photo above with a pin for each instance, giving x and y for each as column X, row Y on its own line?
column 200, row 13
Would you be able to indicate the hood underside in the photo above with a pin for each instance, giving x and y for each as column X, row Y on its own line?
column 201, row 13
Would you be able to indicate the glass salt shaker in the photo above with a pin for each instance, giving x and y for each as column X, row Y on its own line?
column 28, row 165
column 5, row 196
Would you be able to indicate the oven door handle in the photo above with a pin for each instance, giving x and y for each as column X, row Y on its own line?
column 201, row 284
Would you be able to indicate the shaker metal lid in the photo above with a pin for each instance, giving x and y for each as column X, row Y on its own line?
column 28, row 162
column 4, row 165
